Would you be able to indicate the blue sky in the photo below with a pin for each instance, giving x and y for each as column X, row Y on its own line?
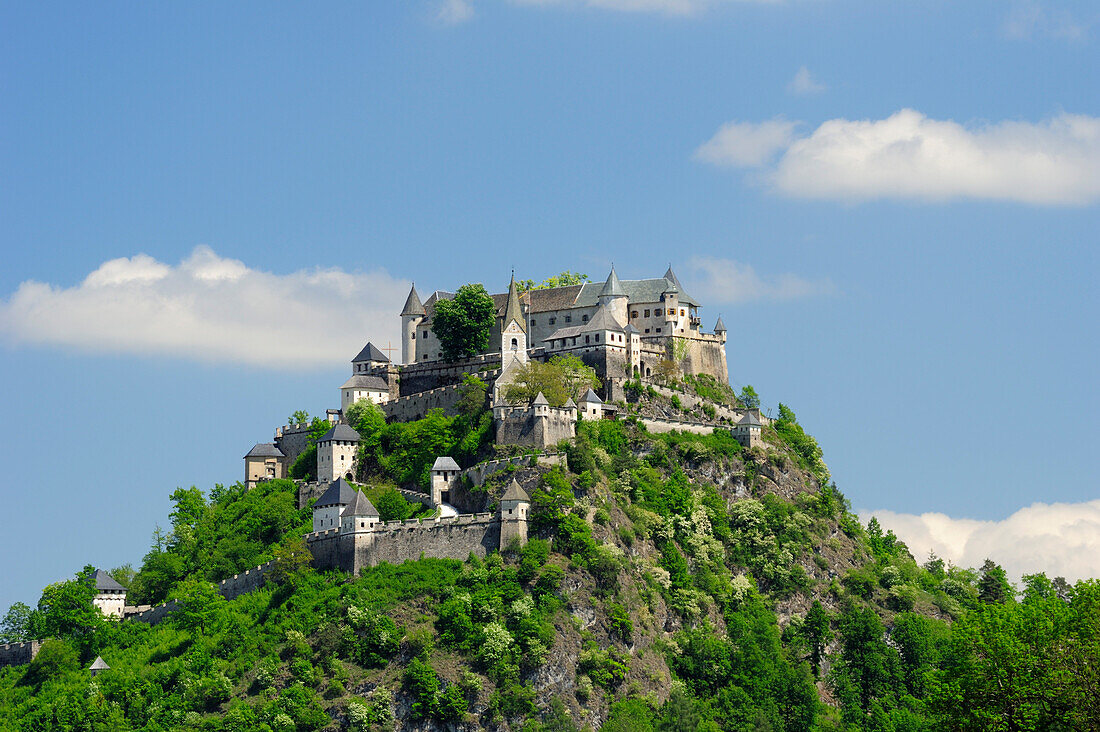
column 894, row 206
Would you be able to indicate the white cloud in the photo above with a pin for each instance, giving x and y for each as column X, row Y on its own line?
column 1030, row 18
column 1061, row 539
column 453, row 12
column 724, row 281
column 909, row 156
column 747, row 144
column 210, row 308
column 803, row 84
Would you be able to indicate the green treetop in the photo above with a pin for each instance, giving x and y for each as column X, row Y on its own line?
column 462, row 325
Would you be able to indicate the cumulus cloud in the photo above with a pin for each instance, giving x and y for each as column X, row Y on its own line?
column 747, row 144
column 453, row 12
column 909, row 156
column 803, row 84
column 1061, row 539
column 724, row 281
column 210, row 308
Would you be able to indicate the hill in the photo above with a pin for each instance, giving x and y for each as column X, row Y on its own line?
column 672, row 582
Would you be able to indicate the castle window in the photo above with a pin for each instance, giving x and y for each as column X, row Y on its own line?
column 584, row 319
column 634, row 314
column 553, row 320
column 425, row 334
column 647, row 313
column 414, row 335
column 681, row 312
column 657, row 312
column 532, row 322
column 658, row 330
column 587, row 339
column 647, row 330
column 568, row 318
column 515, row 344
column 597, row 338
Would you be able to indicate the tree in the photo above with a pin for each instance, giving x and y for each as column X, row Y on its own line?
column 993, row 587
column 66, row 608
column 472, row 399
column 817, row 634
column 564, row 279
column 292, row 562
column 749, row 398
column 392, row 506
column 298, row 416
column 462, row 325
column 197, row 606
column 55, row 657
column 559, row 379
column 16, row 625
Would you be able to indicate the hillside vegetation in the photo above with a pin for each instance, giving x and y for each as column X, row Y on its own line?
column 672, row 582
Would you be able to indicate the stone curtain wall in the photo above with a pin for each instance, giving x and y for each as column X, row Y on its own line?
column 417, row 378
column 16, row 654
column 229, row 588
column 293, row 440
column 478, row 473
column 522, row 427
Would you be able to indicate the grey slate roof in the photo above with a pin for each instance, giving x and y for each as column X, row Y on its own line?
column 630, row 329
column 362, row 381
column 591, row 398
column 613, row 287
column 569, row 404
column 719, row 327
column 341, row 432
column 602, row 320
column 515, row 493
column 339, row 493
column 99, row 665
column 360, row 506
column 445, row 463
column 540, row 401
column 104, row 581
column 372, row 352
column 750, row 419
column 265, row 449
column 512, row 311
column 413, row 306
column 671, row 277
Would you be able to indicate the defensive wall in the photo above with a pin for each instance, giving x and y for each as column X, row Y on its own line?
column 658, row 425
column 454, row 537
column 691, row 401
column 293, row 440
column 16, row 654
column 421, row 377
column 523, row 426
column 229, row 588
column 415, row 406
column 478, row 473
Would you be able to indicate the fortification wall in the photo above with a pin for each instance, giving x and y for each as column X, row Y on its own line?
column 229, row 588
column 691, row 400
column 421, row 377
column 657, row 425
column 308, row 491
column 707, row 355
column 478, row 473
column 415, row 406
column 293, row 440
column 524, row 428
column 454, row 538
column 16, row 654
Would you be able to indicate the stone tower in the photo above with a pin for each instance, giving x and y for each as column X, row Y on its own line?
column 514, row 505
column 412, row 315
column 444, row 477
column 336, row 453
column 613, row 296
column 513, row 332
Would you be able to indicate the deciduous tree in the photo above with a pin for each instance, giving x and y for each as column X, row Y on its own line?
column 462, row 324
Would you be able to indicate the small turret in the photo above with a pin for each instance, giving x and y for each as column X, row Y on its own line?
column 720, row 329
column 412, row 315
column 614, row 297
column 513, row 330
column 444, row 477
column 359, row 515
column 514, row 505
column 591, row 406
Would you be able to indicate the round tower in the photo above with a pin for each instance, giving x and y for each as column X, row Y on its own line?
column 613, row 296
column 412, row 315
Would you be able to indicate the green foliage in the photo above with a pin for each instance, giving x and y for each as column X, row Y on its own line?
column 462, row 324
column 403, row 452
column 564, row 279
column 198, row 604
column 710, row 388
column 559, row 379
column 304, row 466
column 748, row 397
column 16, row 625
column 805, row 447
column 994, row 586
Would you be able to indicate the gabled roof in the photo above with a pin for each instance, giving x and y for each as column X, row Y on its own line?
column 750, row 419
column 265, row 449
column 612, row 287
column 104, row 581
column 569, row 404
column 362, row 381
column 445, row 463
column 591, row 398
column 630, row 329
column 99, row 665
column 360, row 506
column 339, row 493
column 602, row 320
column 513, row 311
column 540, row 401
column 515, row 493
column 413, row 306
column 719, row 327
column 372, row 352
column 341, row 432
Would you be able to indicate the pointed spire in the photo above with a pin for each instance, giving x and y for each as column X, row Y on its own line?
column 719, row 327
column 515, row 493
column 413, row 306
column 513, row 311
column 613, row 288
column 671, row 277
column 360, row 506
column 570, row 404
column 540, row 401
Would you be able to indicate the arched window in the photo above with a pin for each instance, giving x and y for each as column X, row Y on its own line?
column 515, row 344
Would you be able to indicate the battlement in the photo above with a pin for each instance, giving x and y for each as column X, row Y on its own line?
column 17, row 654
